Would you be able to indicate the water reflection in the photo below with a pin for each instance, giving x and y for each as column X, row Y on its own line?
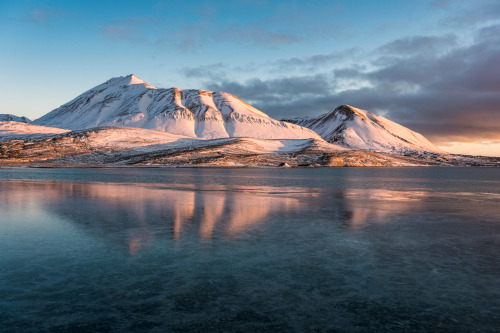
column 140, row 212
column 248, row 253
column 136, row 215
column 377, row 205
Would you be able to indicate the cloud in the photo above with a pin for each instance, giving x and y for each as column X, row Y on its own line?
column 44, row 15
column 472, row 13
column 419, row 44
column 455, row 95
column 257, row 36
column 194, row 27
column 211, row 72
column 489, row 34
column 194, row 36
column 189, row 38
column 128, row 29
column 431, row 84
column 441, row 4
column 275, row 91
column 219, row 72
column 156, row 34
column 313, row 62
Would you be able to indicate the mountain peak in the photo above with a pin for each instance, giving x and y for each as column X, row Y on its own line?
column 129, row 101
column 128, row 80
column 357, row 128
column 349, row 111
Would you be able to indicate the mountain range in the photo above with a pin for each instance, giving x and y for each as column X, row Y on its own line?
column 128, row 121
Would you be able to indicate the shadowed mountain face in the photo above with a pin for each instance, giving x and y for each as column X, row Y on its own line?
column 356, row 128
column 129, row 101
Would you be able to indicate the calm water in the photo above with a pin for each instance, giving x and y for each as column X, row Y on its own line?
column 250, row 250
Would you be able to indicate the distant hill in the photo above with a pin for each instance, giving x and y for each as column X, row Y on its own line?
column 11, row 117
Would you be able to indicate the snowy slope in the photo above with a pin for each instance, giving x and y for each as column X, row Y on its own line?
column 10, row 130
column 138, row 146
column 129, row 101
column 356, row 128
column 125, row 137
column 11, row 117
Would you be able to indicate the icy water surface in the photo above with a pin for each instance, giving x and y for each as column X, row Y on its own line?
column 250, row 250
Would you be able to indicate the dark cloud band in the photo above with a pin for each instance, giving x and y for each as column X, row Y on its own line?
column 427, row 83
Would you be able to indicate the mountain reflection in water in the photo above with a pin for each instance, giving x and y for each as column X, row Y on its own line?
column 249, row 250
column 139, row 212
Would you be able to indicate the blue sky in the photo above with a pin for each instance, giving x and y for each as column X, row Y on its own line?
column 433, row 66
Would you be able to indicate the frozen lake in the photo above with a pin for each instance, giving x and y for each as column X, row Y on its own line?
column 340, row 249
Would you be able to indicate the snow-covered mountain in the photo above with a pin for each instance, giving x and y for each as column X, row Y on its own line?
column 356, row 128
column 11, row 117
column 129, row 101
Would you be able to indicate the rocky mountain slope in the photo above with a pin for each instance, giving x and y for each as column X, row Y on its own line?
column 129, row 101
column 352, row 127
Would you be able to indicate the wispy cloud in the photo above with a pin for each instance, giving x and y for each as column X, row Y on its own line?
column 128, row 29
column 214, row 25
column 440, row 4
column 188, row 38
column 257, row 36
column 293, row 66
column 44, row 15
column 473, row 13
column 193, row 37
column 211, row 72
column 313, row 62
column 275, row 90
column 412, row 45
